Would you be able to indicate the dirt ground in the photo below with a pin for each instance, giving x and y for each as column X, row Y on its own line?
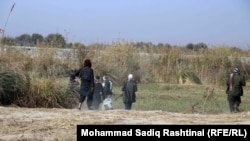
column 55, row 124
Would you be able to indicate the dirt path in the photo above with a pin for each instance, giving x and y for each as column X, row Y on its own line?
column 60, row 124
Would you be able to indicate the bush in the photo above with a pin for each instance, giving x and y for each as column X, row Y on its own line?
column 186, row 75
column 11, row 86
column 44, row 92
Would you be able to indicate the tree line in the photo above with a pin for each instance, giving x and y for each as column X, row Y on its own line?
column 58, row 40
column 55, row 40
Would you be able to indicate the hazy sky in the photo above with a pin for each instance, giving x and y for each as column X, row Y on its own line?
column 176, row 22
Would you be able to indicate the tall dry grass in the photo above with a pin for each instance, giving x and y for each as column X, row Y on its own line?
column 149, row 64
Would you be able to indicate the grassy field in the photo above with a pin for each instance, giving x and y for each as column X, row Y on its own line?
column 182, row 98
column 169, row 79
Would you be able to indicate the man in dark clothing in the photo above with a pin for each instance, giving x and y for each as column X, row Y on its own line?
column 234, row 90
column 129, row 90
column 98, row 95
column 107, row 87
column 86, row 74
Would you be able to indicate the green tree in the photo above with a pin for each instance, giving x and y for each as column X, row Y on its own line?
column 196, row 47
column 200, row 46
column 190, row 46
column 36, row 38
column 55, row 40
column 24, row 40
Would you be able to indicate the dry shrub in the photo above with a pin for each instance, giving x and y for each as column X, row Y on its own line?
column 43, row 60
column 11, row 86
column 19, row 89
column 13, row 59
column 44, row 93
column 169, row 64
column 188, row 76
column 117, row 61
column 46, row 63
column 81, row 55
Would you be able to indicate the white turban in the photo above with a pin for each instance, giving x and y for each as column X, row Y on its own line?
column 130, row 76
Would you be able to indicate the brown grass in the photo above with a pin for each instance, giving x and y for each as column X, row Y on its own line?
column 148, row 64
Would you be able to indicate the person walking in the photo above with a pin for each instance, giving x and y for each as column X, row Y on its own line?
column 129, row 90
column 107, row 87
column 111, row 85
column 235, row 84
column 86, row 74
column 98, row 94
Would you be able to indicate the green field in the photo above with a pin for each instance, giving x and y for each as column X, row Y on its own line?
column 182, row 98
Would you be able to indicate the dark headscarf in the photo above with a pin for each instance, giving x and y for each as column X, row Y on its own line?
column 87, row 63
